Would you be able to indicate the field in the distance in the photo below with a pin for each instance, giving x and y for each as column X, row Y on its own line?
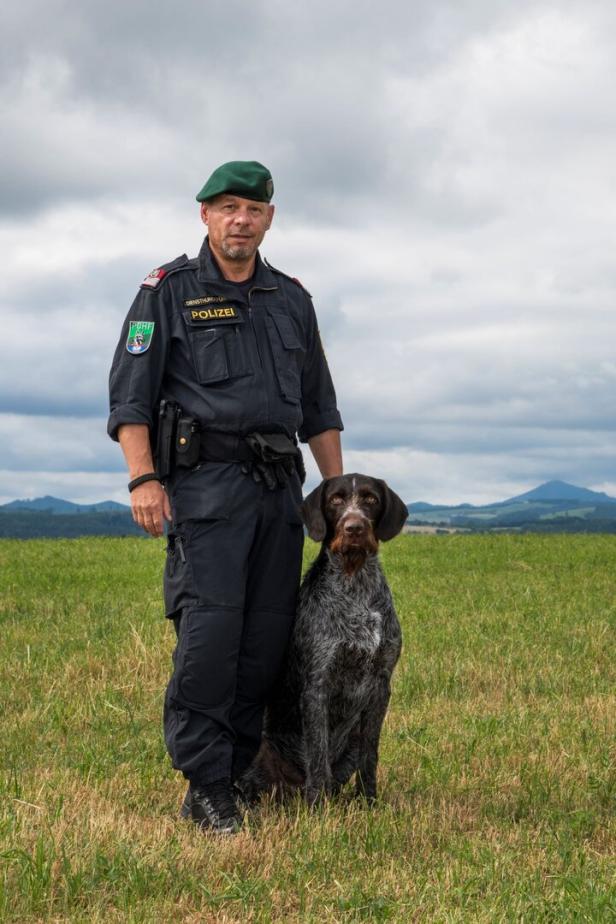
column 497, row 775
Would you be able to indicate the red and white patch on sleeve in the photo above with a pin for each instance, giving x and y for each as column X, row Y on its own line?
column 153, row 278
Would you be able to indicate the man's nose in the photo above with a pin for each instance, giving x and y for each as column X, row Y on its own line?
column 242, row 218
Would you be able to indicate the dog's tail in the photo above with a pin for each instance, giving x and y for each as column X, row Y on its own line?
column 271, row 773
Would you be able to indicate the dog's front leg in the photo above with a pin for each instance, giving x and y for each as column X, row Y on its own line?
column 348, row 762
column 315, row 726
column 371, row 724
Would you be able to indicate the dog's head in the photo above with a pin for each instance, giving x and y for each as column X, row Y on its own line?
column 351, row 513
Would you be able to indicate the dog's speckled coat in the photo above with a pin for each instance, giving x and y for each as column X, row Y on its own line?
column 324, row 721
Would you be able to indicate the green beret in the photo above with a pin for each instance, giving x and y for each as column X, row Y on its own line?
column 245, row 178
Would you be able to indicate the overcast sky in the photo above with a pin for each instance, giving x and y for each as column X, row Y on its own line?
column 445, row 187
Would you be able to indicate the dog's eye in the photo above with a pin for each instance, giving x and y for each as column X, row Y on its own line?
column 336, row 500
column 371, row 499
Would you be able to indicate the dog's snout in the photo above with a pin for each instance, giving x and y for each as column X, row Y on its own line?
column 354, row 526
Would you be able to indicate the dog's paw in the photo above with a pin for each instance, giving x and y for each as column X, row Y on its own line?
column 318, row 791
column 364, row 792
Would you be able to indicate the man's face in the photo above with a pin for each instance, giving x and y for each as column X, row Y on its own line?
column 236, row 226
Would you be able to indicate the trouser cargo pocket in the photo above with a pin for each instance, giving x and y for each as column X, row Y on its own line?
column 177, row 580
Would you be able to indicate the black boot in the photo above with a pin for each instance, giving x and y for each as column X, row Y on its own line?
column 245, row 797
column 213, row 807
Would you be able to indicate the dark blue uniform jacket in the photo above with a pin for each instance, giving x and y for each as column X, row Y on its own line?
column 237, row 361
column 259, row 366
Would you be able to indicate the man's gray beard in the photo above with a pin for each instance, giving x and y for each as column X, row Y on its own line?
column 237, row 253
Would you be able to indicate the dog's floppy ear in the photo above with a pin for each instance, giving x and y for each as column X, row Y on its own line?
column 394, row 514
column 312, row 514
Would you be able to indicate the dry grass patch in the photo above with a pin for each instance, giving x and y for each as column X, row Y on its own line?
column 497, row 764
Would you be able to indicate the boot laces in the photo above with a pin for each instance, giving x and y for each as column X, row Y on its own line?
column 220, row 795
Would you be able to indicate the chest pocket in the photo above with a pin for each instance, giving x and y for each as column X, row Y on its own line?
column 219, row 347
column 288, row 353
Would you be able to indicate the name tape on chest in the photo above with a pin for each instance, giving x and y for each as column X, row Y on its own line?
column 224, row 313
column 205, row 300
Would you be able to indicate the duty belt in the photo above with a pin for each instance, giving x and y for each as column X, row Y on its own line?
column 223, row 447
column 181, row 443
column 268, row 457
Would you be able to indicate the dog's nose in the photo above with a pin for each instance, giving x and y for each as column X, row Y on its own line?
column 354, row 527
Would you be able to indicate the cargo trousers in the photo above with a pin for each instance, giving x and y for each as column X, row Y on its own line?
column 231, row 581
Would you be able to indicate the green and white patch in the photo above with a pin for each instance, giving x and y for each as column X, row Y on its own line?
column 139, row 336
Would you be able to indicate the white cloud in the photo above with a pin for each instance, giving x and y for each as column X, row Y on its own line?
column 57, row 444
column 444, row 188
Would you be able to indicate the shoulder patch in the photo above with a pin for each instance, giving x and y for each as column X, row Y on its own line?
column 154, row 278
column 139, row 336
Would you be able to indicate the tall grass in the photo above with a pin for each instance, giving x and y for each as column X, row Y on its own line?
column 497, row 775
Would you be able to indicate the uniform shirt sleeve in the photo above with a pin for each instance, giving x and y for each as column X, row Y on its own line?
column 135, row 378
column 319, row 408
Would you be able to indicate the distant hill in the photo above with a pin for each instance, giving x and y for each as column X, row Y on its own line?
column 53, row 517
column 561, row 490
column 58, row 505
column 555, row 506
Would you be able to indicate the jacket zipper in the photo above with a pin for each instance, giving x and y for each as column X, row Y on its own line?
column 266, row 396
column 252, row 323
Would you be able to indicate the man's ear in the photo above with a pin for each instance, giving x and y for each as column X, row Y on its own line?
column 204, row 212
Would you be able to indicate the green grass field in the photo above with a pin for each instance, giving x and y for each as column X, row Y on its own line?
column 497, row 773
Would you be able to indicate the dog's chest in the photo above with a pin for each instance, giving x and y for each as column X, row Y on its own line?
column 354, row 646
column 344, row 630
column 357, row 633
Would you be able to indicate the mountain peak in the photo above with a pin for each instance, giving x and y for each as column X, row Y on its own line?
column 559, row 490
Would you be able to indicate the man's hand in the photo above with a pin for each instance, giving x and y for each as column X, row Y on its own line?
column 150, row 507
column 149, row 502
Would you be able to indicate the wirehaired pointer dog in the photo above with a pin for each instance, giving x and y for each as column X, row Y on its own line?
column 324, row 720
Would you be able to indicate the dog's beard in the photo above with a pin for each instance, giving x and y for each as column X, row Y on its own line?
column 354, row 554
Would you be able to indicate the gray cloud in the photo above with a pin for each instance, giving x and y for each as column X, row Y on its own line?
column 101, row 99
column 57, row 444
column 443, row 188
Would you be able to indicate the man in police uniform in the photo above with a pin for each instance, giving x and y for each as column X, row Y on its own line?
column 231, row 346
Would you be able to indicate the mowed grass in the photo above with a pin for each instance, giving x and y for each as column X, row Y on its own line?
column 497, row 773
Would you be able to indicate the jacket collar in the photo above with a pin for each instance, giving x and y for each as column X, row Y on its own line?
column 209, row 271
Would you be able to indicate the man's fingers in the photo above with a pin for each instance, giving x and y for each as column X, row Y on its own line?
column 156, row 528
column 166, row 507
column 152, row 524
column 149, row 505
